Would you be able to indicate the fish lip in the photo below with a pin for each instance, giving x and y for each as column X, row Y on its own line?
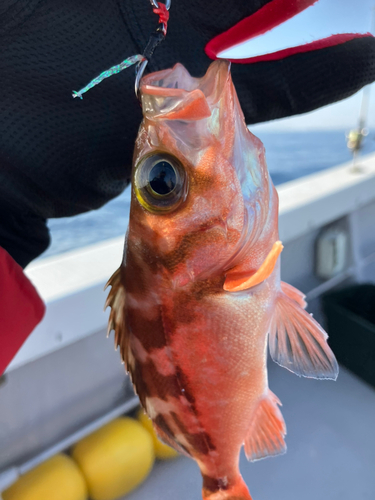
column 179, row 82
column 173, row 94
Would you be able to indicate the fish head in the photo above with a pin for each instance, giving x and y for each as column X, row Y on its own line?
column 199, row 176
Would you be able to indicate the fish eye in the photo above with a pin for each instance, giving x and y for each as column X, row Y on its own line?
column 162, row 177
column 160, row 182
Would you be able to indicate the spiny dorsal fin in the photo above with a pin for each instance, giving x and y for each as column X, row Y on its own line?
column 265, row 437
column 116, row 322
column 297, row 342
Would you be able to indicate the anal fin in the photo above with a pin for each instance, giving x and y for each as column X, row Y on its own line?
column 297, row 342
column 265, row 437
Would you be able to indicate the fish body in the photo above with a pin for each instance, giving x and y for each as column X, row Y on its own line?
column 198, row 295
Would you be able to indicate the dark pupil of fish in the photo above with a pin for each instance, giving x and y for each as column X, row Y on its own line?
column 162, row 178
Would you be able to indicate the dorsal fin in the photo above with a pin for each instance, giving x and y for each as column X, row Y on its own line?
column 116, row 301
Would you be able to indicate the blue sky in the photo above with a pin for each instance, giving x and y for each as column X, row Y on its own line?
column 325, row 18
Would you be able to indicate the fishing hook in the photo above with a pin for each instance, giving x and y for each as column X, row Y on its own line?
column 138, row 75
column 157, row 37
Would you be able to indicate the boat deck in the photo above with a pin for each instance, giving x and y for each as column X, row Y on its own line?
column 331, row 447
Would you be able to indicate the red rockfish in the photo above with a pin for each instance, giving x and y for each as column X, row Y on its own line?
column 198, row 294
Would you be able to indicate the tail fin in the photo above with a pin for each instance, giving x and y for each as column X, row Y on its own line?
column 221, row 489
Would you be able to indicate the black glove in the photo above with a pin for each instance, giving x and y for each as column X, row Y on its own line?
column 61, row 156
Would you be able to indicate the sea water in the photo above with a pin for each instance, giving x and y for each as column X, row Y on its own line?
column 290, row 155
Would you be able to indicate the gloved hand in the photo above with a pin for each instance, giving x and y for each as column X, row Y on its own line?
column 61, row 156
column 21, row 308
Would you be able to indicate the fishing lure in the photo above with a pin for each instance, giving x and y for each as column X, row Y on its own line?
column 162, row 10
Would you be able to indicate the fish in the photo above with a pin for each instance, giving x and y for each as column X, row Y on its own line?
column 198, row 295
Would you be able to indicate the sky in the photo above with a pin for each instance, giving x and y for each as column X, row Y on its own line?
column 325, row 18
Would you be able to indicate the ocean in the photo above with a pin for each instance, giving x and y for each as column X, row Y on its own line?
column 290, row 155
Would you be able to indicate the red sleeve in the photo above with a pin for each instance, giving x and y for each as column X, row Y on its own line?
column 21, row 308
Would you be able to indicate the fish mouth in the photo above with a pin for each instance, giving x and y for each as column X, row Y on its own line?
column 173, row 94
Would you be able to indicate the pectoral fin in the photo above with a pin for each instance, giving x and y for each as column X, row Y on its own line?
column 294, row 294
column 297, row 342
column 238, row 284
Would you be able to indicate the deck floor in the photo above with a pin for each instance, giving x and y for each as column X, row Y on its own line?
column 331, row 447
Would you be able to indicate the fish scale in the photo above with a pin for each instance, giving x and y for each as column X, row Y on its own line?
column 198, row 296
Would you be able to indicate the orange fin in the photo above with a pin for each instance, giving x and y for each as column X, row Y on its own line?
column 116, row 322
column 294, row 294
column 265, row 437
column 297, row 342
column 238, row 284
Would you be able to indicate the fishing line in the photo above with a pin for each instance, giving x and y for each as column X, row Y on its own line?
column 160, row 9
